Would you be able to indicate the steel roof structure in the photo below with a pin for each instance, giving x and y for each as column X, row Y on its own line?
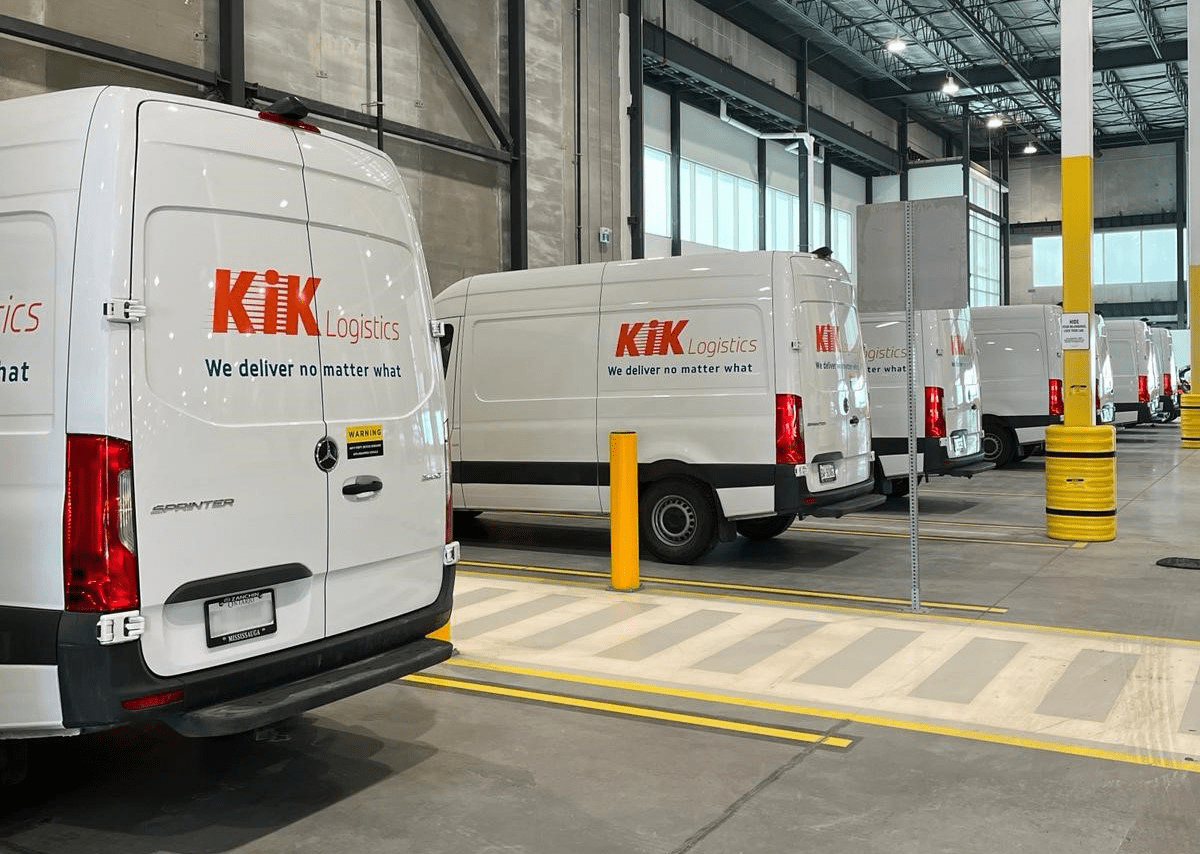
column 1004, row 56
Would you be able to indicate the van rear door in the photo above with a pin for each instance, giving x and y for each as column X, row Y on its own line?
column 833, row 390
column 226, row 400
column 382, row 383
column 960, row 383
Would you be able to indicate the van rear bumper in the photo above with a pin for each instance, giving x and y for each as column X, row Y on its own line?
column 792, row 494
column 94, row 679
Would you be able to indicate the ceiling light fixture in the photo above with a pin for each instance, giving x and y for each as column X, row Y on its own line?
column 995, row 122
column 950, row 87
column 896, row 45
column 1030, row 148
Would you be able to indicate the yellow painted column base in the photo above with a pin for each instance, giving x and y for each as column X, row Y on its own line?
column 1189, row 420
column 1081, row 483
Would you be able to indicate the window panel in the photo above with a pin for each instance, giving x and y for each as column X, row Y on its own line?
column 1122, row 257
column 657, row 189
column 1158, row 255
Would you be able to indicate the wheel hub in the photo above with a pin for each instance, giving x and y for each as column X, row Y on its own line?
column 674, row 520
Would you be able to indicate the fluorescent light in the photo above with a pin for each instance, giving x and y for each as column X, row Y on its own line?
column 896, row 45
column 995, row 122
column 1030, row 148
column 950, row 87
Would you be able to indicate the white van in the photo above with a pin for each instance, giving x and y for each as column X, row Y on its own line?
column 1106, row 409
column 947, row 410
column 1164, row 357
column 742, row 374
column 1019, row 348
column 1136, row 377
column 225, row 495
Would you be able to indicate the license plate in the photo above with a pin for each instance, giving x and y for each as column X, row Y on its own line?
column 958, row 445
column 240, row 617
column 826, row 472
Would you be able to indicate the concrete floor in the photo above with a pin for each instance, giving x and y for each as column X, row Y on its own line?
column 430, row 767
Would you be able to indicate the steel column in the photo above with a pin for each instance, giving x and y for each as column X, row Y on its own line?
column 379, row 74
column 637, row 135
column 518, row 171
column 762, row 194
column 676, row 158
column 1181, row 215
column 1189, row 420
column 232, row 33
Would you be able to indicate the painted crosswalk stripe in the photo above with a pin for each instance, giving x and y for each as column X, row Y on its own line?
column 664, row 637
column 969, row 671
column 584, row 625
column 1090, row 686
column 759, row 646
column 844, row 668
column 512, row 614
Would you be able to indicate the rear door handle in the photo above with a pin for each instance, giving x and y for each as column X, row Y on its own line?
column 853, row 419
column 362, row 485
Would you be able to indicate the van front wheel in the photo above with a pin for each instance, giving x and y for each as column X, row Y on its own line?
column 765, row 528
column 678, row 521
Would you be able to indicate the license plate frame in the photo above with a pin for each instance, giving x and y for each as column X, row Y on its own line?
column 826, row 472
column 239, row 617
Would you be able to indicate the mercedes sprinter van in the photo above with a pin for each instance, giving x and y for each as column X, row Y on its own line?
column 1137, row 379
column 225, row 496
column 742, row 374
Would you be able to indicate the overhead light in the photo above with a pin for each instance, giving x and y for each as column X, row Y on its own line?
column 995, row 122
column 896, row 45
column 950, row 87
column 1030, row 148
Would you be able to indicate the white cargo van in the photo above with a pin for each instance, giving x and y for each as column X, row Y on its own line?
column 742, row 374
column 1106, row 409
column 225, row 495
column 1136, row 377
column 947, row 410
column 1019, row 349
column 1164, row 357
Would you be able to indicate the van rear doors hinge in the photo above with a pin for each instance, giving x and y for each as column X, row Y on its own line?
column 120, row 628
column 437, row 329
column 124, row 310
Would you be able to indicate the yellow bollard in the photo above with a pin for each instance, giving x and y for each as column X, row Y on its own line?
column 623, row 510
column 1081, row 483
column 1189, row 420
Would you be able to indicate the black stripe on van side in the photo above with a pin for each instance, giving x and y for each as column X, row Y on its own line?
column 1088, row 513
column 28, row 635
column 1031, row 420
column 238, row 582
column 720, row 476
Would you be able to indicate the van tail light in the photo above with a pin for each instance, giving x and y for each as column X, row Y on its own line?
column 100, row 570
column 789, row 429
column 1143, row 389
column 1167, row 390
column 1097, row 395
column 935, row 414
column 1056, row 398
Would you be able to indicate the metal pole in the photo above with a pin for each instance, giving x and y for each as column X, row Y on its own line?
column 762, row 194
column 518, row 170
column 676, row 158
column 379, row 74
column 233, row 51
column 637, row 134
column 910, row 340
column 578, row 132
column 1189, row 418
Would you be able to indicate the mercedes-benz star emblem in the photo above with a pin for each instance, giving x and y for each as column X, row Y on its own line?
column 326, row 454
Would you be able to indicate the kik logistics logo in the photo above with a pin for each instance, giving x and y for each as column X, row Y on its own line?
column 656, row 338
column 277, row 298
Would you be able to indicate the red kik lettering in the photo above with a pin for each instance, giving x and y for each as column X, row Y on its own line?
column 627, row 339
column 227, row 301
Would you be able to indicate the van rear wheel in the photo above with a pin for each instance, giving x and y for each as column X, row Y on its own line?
column 678, row 520
column 765, row 528
column 998, row 444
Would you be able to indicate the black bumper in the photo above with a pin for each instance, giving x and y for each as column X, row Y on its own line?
column 792, row 494
column 94, row 679
column 937, row 458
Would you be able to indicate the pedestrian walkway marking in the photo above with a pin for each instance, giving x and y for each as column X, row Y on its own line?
column 628, row 710
column 1083, row 692
column 724, row 586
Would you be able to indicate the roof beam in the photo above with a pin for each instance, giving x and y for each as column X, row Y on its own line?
column 1050, row 67
column 1154, row 32
column 1125, row 103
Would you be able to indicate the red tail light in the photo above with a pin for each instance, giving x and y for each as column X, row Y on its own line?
column 100, row 571
column 935, row 415
column 1097, row 395
column 789, row 429
column 1167, row 390
column 1056, row 398
column 1143, row 389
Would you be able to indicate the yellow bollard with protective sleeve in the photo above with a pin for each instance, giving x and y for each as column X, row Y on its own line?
column 623, row 510
column 1081, row 483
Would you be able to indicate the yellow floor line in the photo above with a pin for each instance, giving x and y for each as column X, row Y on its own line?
column 896, row 535
column 742, row 588
column 627, row 710
column 952, row 522
column 835, row 714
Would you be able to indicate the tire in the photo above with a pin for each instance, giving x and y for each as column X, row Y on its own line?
column 766, row 527
column 900, row 488
column 998, row 444
column 14, row 762
column 678, row 521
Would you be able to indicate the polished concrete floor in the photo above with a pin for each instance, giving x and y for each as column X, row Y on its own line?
column 780, row 696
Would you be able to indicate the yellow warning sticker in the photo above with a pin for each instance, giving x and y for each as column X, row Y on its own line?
column 364, row 440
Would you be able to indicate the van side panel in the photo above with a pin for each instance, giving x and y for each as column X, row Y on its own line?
column 528, row 391
column 227, row 394
column 383, row 390
column 685, row 361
